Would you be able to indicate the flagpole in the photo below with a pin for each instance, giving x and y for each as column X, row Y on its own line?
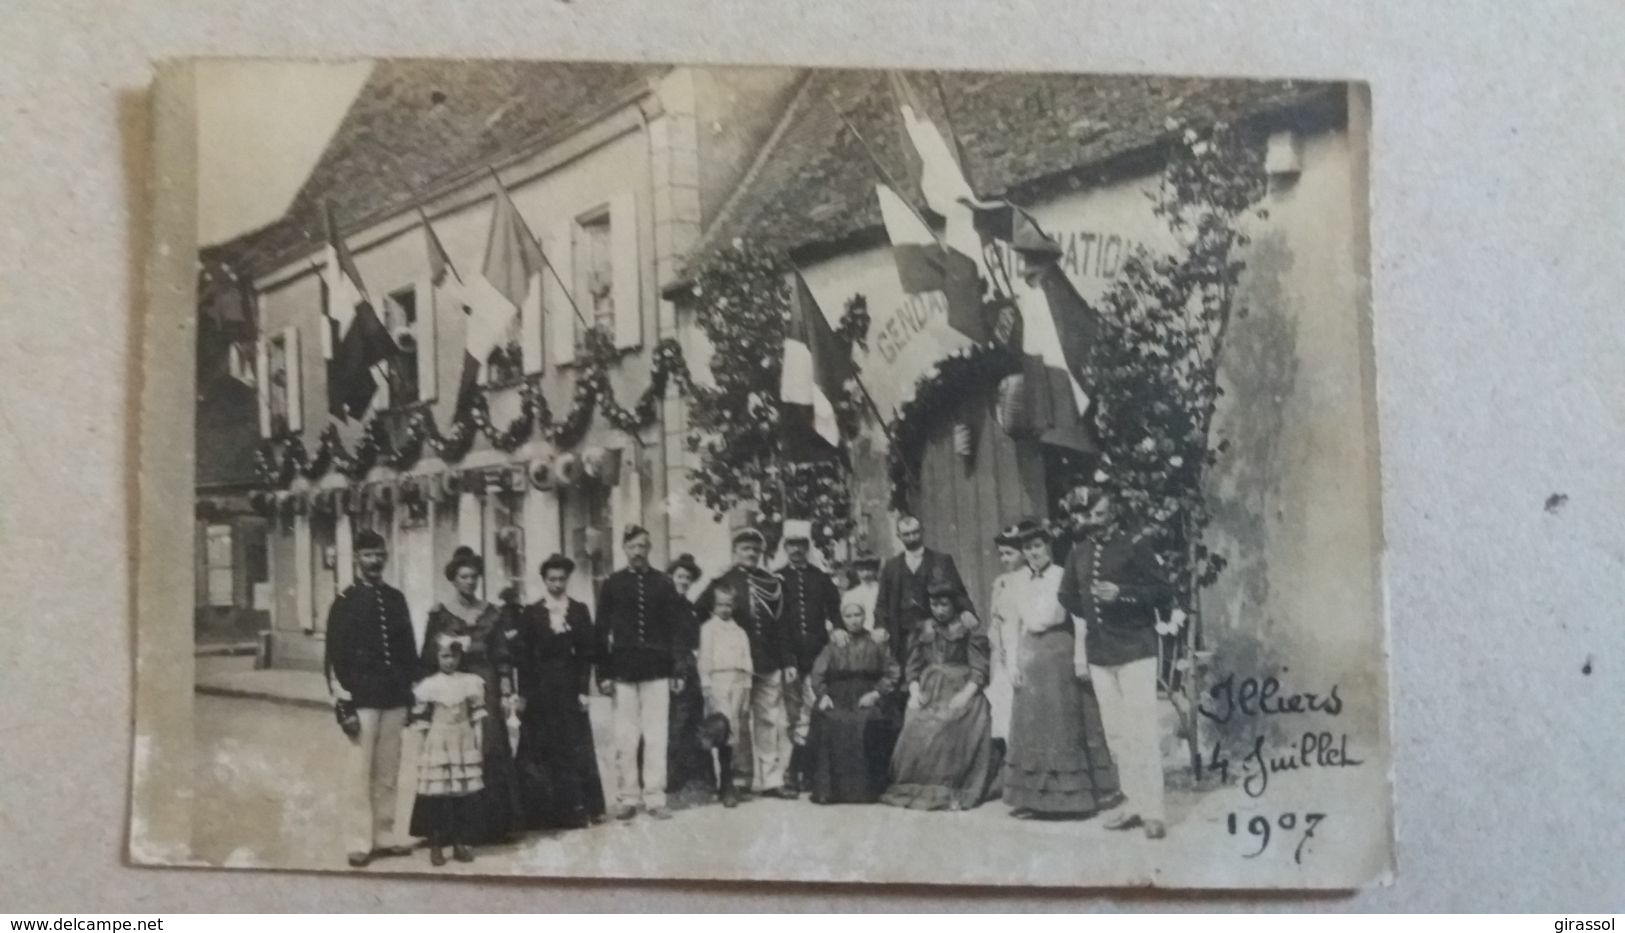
column 450, row 266
column 875, row 409
column 580, row 318
column 885, row 176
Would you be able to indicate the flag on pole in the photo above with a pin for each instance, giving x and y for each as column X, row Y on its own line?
column 816, row 369
column 942, row 178
column 358, row 345
column 508, row 286
column 925, row 264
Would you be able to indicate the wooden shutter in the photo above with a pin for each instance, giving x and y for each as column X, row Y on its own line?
column 262, row 380
column 424, row 331
column 530, row 323
column 295, row 388
column 561, row 317
column 623, row 231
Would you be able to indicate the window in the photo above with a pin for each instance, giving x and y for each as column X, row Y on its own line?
column 595, row 272
column 401, row 319
column 218, row 555
column 277, row 360
column 277, row 383
column 587, row 532
column 505, row 519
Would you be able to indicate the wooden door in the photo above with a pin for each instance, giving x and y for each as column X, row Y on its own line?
column 964, row 501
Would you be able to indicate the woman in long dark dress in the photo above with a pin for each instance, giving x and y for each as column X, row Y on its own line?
column 688, row 764
column 944, row 758
column 850, row 742
column 493, row 813
column 1058, row 765
column 553, row 653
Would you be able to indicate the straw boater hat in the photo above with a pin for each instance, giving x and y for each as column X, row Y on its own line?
column 797, row 529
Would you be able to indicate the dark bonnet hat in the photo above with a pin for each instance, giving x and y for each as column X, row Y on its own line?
column 685, row 561
column 941, row 586
column 464, row 556
column 368, row 539
column 1030, row 528
column 558, row 562
column 1009, row 537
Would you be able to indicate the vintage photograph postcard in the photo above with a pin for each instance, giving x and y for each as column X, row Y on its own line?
column 764, row 474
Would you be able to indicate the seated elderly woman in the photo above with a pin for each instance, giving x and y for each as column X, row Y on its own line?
column 945, row 758
column 850, row 742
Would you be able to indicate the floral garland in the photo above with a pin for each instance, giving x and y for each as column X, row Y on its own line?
column 280, row 460
column 928, row 401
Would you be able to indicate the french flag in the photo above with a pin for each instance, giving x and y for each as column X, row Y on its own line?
column 925, row 264
column 816, row 369
column 357, row 346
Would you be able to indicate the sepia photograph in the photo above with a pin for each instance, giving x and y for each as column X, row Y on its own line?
column 695, row 472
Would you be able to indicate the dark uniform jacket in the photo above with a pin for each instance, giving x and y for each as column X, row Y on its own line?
column 761, row 618
column 639, row 620
column 370, row 649
column 812, row 609
column 902, row 604
column 1125, row 630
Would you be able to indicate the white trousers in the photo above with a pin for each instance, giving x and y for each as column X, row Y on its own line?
column 640, row 715
column 1128, row 713
column 375, row 766
column 769, row 730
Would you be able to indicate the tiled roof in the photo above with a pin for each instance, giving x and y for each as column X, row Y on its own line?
column 813, row 186
column 419, row 123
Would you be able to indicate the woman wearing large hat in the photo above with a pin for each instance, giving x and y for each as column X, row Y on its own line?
column 1057, row 764
column 488, row 631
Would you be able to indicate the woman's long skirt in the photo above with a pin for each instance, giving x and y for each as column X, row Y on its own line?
column 850, row 749
column 1057, row 762
column 944, row 758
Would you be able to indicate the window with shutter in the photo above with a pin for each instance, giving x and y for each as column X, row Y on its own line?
column 561, row 317
column 424, row 330
column 627, row 326
column 218, row 556
column 293, row 378
column 595, row 272
column 262, row 367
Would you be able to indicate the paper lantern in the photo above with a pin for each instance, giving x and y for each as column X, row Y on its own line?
column 1012, row 410
column 602, row 465
column 568, row 469
column 964, row 440
column 541, row 474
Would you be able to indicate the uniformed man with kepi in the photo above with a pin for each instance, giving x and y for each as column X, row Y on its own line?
column 370, row 660
column 812, row 610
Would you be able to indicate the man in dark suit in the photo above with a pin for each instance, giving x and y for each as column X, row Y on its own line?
column 902, row 603
column 1114, row 583
column 812, row 610
column 640, row 644
column 759, row 610
column 371, row 657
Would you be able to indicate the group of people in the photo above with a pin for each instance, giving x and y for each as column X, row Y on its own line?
column 892, row 688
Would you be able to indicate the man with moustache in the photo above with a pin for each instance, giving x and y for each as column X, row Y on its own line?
column 370, row 660
column 812, row 611
column 902, row 602
column 759, row 610
column 1114, row 584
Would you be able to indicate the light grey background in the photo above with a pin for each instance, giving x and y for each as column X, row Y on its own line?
column 1498, row 208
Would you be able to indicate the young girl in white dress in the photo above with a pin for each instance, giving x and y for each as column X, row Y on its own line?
column 449, row 708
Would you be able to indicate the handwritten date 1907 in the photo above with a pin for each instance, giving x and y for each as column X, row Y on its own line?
column 1259, row 826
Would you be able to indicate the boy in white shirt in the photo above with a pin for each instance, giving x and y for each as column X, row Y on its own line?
column 725, row 670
